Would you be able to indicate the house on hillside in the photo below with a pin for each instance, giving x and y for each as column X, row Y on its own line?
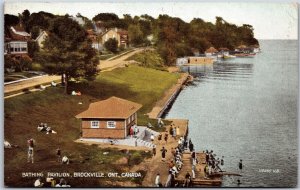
column 15, row 40
column 210, row 51
column 119, row 34
column 110, row 118
column 95, row 40
column 41, row 38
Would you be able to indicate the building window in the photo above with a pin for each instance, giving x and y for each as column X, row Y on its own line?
column 94, row 124
column 111, row 124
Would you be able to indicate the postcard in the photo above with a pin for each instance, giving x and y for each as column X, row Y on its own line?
column 150, row 94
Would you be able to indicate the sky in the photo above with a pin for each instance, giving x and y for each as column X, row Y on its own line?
column 269, row 20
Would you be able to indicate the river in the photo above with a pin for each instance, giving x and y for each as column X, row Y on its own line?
column 246, row 108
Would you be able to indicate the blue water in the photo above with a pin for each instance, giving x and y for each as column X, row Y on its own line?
column 246, row 108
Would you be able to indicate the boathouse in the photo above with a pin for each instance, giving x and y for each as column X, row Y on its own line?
column 199, row 60
column 110, row 118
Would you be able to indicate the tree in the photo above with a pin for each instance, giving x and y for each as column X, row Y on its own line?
column 135, row 34
column 33, row 48
column 40, row 19
column 35, row 32
column 111, row 45
column 105, row 17
column 24, row 17
column 68, row 52
column 10, row 20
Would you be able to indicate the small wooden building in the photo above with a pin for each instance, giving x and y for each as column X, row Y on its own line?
column 110, row 118
column 199, row 60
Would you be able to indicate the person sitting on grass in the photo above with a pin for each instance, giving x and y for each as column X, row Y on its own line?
column 65, row 160
column 41, row 127
column 7, row 144
column 49, row 130
column 38, row 183
column 42, row 87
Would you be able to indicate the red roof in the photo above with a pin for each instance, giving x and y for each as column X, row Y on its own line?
column 16, row 33
column 113, row 108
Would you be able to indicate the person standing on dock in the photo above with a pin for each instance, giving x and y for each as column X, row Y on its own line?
column 166, row 137
column 191, row 146
column 159, row 138
column 174, row 132
column 240, row 165
column 177, row 131
column 157, row 180
column 187, row 179
column 206, row 156
column 163, row 153
column 154, row 150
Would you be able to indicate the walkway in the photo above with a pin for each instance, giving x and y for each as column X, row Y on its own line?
column 105, row 65
column 118, row 60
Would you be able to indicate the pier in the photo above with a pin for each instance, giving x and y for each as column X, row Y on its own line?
column 200, row 179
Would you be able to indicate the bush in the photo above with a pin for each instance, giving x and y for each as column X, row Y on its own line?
column 36, row 67
column 111, row 45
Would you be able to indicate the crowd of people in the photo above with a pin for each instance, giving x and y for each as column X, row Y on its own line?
column 51, row 182
column 175, row 164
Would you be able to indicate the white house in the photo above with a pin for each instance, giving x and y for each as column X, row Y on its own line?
column 41, row 38
column 15, row 41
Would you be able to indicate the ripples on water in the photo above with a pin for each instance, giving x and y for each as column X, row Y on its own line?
column 246, row 108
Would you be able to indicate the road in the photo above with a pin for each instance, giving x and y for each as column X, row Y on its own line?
column 105, row 65
column 117, row 61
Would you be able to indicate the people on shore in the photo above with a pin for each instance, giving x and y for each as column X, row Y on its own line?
column 30, row 155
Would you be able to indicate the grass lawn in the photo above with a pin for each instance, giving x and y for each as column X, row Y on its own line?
column 149, row 59
column 23, row 113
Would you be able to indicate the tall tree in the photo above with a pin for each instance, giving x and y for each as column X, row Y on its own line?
column 68, row 52
column 135, row 34
column 10, row 20
column 25, row 19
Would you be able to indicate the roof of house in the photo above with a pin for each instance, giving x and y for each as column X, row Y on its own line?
column 117, row 30
column 211, row 50
column 223, row 49
column 43, row 33
column 16, row 33
column 113, row 107
column 242, row 47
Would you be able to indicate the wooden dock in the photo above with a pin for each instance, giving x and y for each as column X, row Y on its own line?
column 199, row 179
